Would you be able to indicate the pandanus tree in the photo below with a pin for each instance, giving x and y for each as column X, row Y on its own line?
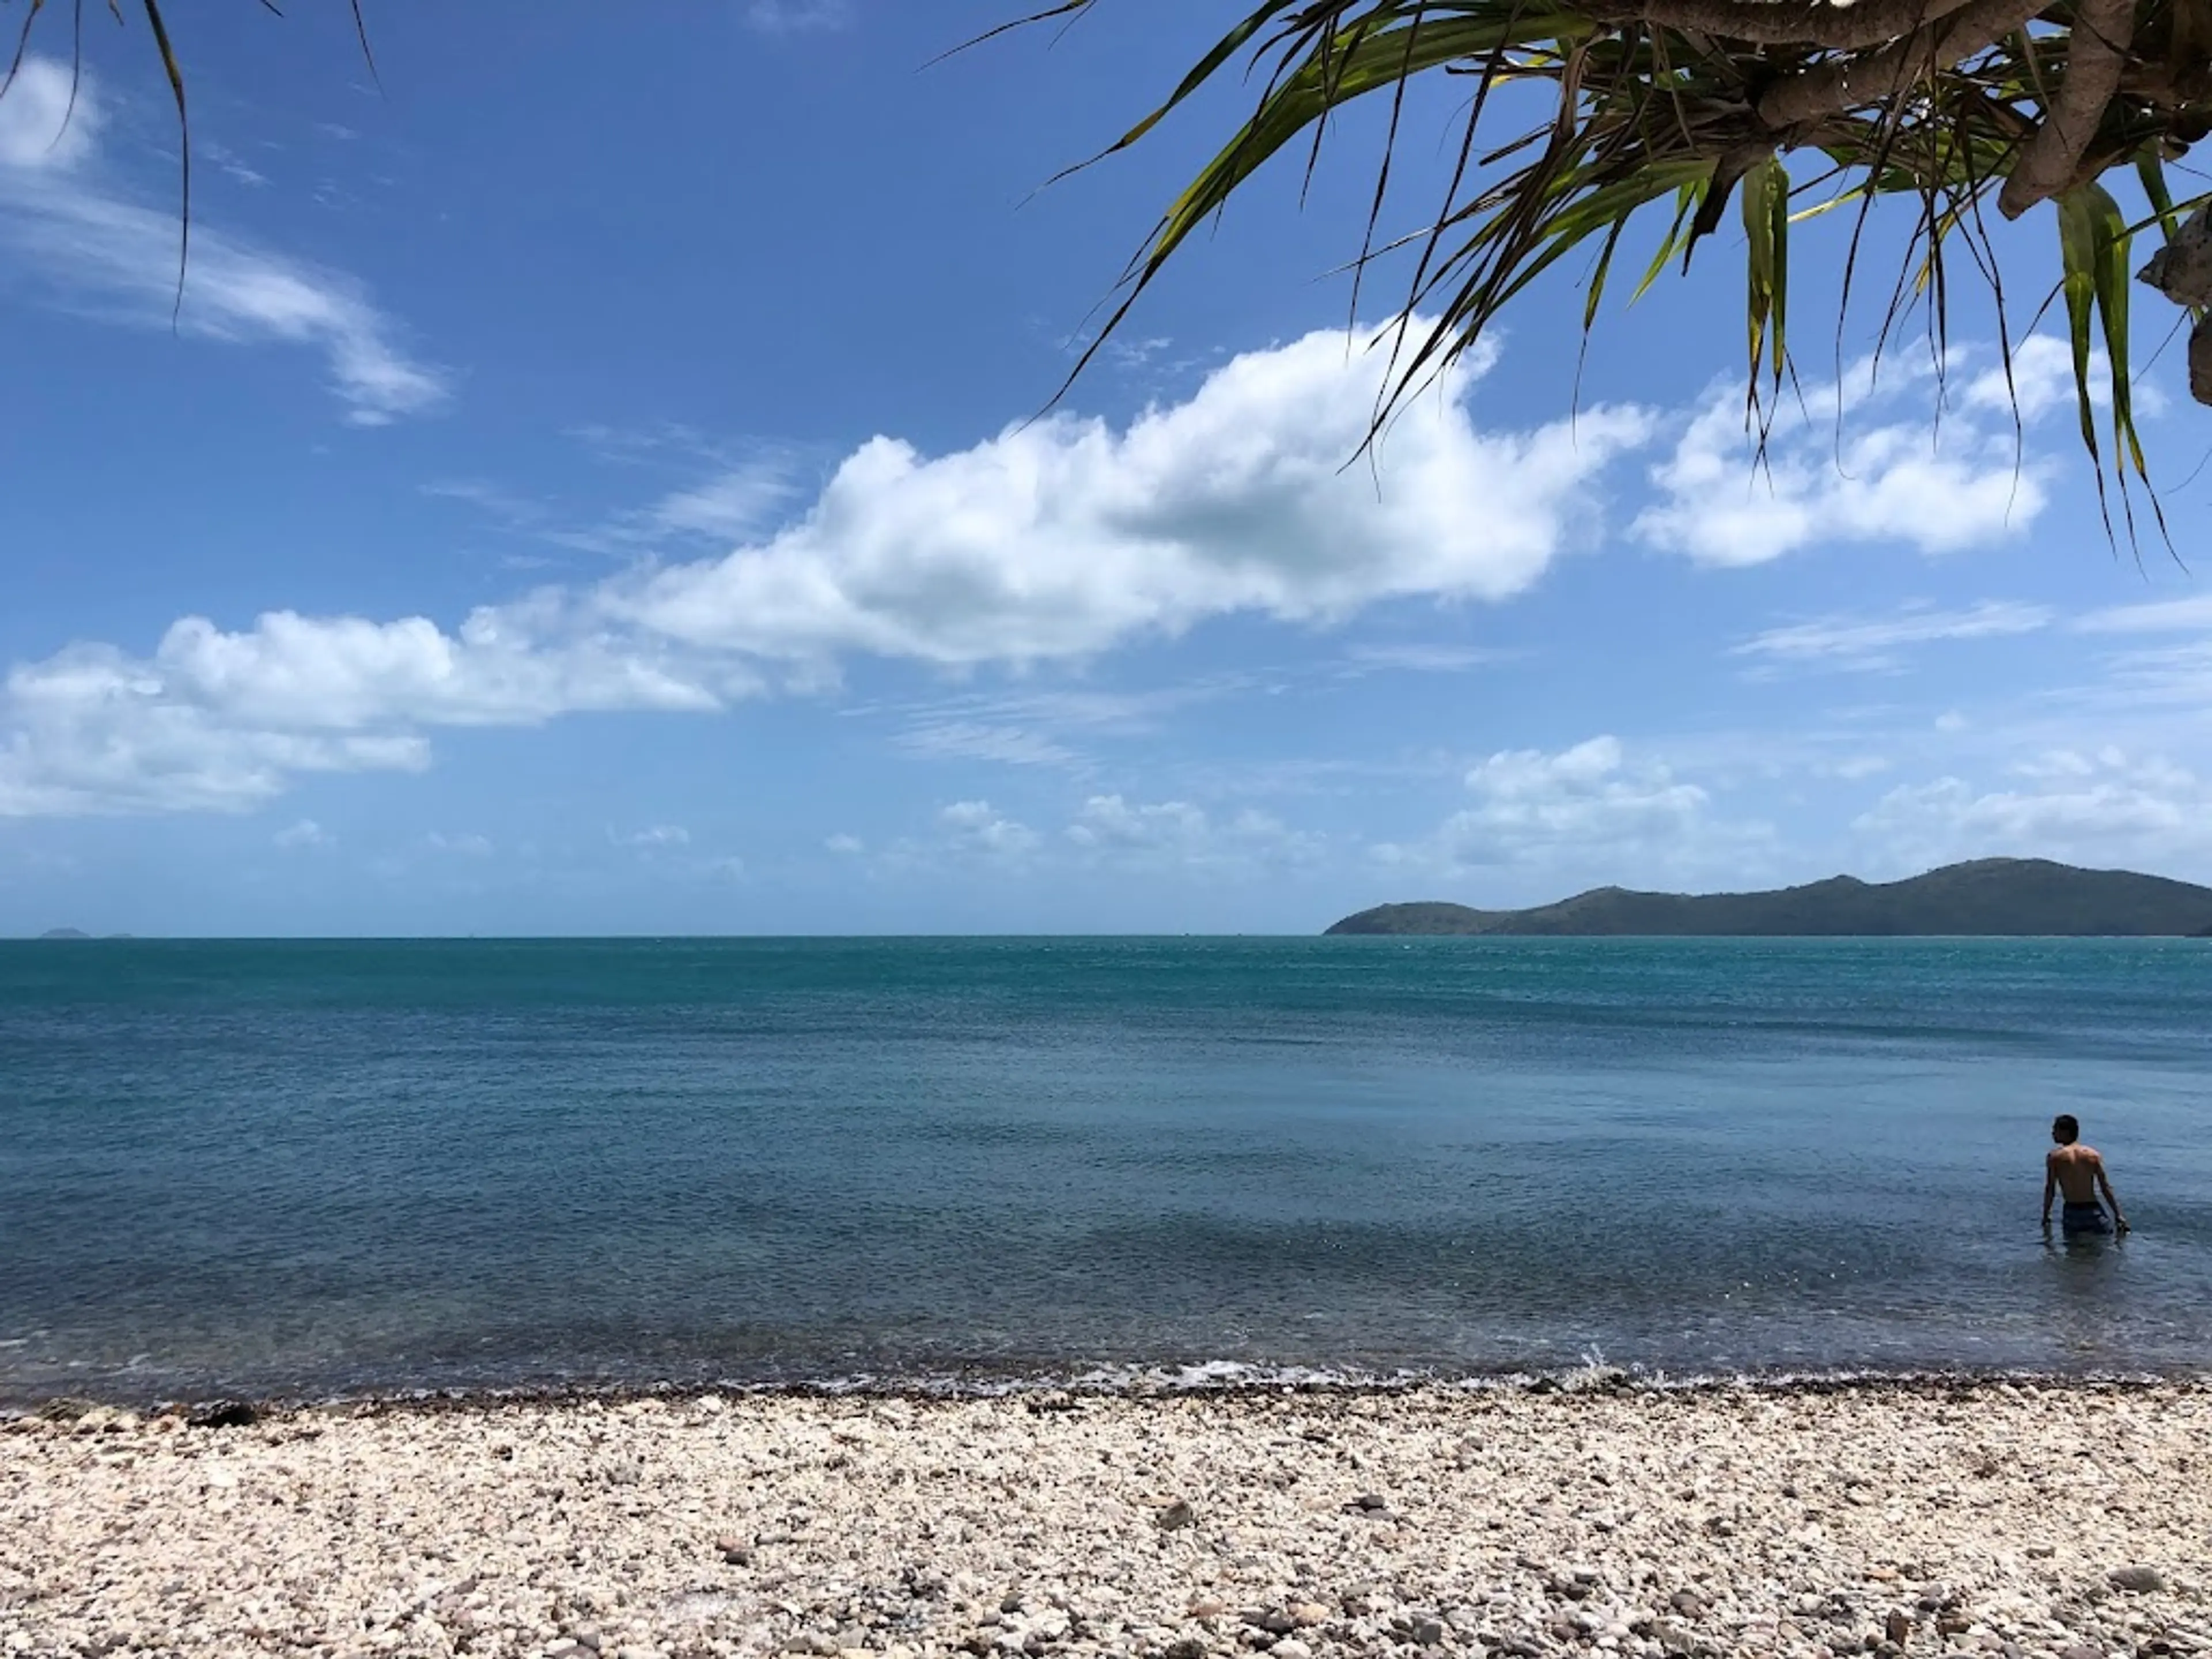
column 1784, row 108
column 1942, row 109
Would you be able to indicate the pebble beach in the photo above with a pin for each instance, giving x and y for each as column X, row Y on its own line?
column 2067, row 1520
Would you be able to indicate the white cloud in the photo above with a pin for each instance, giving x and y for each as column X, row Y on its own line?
column 845, row 846
column 974, row 826
column 1413, row 658
column 2173, row 673
column 1941, row 488
column 91, row 731
column 1055, row 542
column 730, row 505
column 1861, row 642
column 2100, row 807
column 798, row 16
column 2158, row 617
column 461, row 846
column 1064, row 538
column 1178, row 835
column 1009, row 746
column 101, row 251
column 220, row 721
column 1854, row 768
column 1590, row 807
column 42, row 126
column 306, row 833
column 660, row 835
column 1531, row 803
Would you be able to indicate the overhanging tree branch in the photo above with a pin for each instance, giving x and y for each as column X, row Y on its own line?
column 2096, row 53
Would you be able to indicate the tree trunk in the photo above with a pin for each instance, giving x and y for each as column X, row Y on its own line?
column 2182, row 270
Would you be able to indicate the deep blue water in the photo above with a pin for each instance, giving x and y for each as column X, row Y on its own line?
column 308, row 1167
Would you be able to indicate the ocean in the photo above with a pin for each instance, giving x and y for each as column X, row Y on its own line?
column 315, row 1168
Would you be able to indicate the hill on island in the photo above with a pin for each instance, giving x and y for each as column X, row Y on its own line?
column 1988, row 896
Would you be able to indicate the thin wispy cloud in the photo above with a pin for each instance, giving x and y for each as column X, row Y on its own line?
column 1417, row 659
column 1859, row 642
column 730, row 502
column 798, row 16
column 1008, row 745
column 98, row 251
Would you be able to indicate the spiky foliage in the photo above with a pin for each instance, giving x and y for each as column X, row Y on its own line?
column 157, row 27
column 1676, row 106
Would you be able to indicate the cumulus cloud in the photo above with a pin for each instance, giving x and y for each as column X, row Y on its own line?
column 1591, row 806
column 305, row 833
column 1886, row 473
column 1066, row 537
column 1051, row 543
column 2104, row 806
column 1530, row 802
column 1057, row 540
column 92, row 731
column 1862, row 642
column 660, row 835
column 975, row 826
column 98, row 249
column 1178, row 835
column 221, row 720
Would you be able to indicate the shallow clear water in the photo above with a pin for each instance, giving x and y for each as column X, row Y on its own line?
column 312, row 1167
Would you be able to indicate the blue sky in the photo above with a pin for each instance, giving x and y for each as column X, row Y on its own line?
column 591, row 486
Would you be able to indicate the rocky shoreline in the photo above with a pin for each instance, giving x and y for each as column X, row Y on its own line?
column 2067, row 1519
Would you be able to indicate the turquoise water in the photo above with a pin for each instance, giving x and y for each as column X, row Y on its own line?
column 305, row 1167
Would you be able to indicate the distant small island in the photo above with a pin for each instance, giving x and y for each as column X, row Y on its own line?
column 2002, row 897
column 64, row 933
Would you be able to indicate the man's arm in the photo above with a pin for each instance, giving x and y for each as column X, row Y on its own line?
column 2050, row 1184
column 2104, row 1181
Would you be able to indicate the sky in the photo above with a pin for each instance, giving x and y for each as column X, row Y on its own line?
column 603, row 476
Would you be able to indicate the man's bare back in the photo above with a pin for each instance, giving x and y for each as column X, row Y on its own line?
column 2076, row 1172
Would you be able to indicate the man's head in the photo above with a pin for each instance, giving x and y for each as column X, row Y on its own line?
column 2064, row 1130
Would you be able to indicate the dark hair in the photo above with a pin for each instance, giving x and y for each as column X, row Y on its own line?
column 2064, row 1130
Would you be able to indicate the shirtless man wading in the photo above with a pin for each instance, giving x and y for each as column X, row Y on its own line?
column 2077, row 1172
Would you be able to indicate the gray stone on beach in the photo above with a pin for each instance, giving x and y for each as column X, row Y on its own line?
column 2139, row 1579
column 1176, row 1517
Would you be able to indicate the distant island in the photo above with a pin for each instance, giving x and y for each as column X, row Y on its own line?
column 2015, row 898
column 64, row 933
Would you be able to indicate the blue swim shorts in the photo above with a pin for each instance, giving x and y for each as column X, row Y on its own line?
column 2084, row 1218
